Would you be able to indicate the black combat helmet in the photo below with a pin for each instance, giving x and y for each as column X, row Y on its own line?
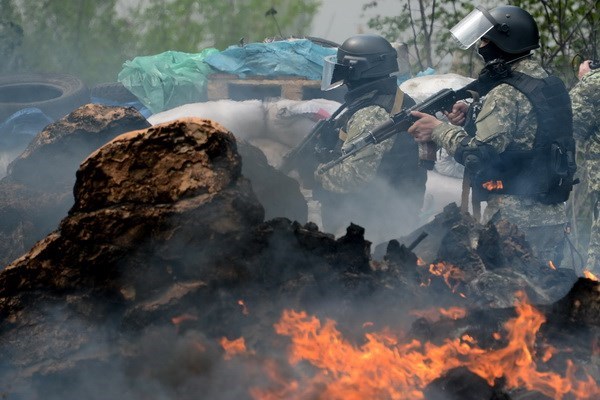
column 515, row 30
column 360, row 57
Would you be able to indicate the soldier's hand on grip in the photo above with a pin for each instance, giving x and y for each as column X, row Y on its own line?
column 422, row 129
column 458, row 115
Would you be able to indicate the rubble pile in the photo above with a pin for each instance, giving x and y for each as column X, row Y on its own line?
column 165, row 280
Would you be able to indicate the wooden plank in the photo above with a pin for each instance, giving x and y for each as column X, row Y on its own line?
column 221, row 86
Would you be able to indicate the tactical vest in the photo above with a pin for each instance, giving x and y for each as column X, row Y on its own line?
column 546, row 171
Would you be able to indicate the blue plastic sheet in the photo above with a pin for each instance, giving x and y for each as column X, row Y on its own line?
column 172, row 78
column 298, row 57
column 22, row 126
column 167, row 80
column 428, row 71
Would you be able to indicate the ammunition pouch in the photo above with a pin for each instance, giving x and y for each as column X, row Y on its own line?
column 561, row 171
column 474, row 158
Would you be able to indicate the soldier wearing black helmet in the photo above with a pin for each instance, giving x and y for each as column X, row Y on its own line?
column 520, row 158
column 381, row 188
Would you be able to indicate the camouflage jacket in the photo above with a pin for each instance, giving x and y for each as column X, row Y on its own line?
column 585, row 98
column 507, row 117
column 352, row 174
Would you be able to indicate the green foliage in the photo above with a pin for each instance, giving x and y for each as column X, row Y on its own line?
column 78, row 37
column 92, row 39
column 189, row 25
column 424, row 25
column 566, row 27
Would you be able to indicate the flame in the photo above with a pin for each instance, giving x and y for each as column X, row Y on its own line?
column 244, row 307
column 182, row 318
column 551, row 265
column 420, row 262
column 383, row 367
column 233, row 347
column 493, row 185
column 452, row 275
column 453, row 312
column 434, row 314
column 588, row 274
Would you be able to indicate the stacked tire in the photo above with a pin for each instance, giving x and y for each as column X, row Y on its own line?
column 56, row 95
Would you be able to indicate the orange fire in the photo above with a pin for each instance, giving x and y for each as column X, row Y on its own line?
column 493, row 185
column 233, row 347
column 182, row 318
column 588, row 274
column 453, row 312
column 433, row 314
column 452, row 275
column 551, row 265
column 384, row 367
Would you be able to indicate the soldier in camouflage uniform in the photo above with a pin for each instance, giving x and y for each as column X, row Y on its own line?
column 585, row 97
column 506, row 123
column 381, row 188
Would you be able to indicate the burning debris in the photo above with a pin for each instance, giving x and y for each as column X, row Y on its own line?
column 165, row 280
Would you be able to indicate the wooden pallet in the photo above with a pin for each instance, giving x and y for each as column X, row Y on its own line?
column 227, row 86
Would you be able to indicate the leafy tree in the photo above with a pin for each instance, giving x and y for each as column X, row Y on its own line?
column 424, row 25
column 91, row 39
column 82, row 37
column 11, row 34
column 567, row 27
column 189, row 25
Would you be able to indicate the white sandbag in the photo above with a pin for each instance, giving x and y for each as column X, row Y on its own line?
column 422, row 87
column 245, row 119
column 289, row 121
column 447, row 165
column 279, row 124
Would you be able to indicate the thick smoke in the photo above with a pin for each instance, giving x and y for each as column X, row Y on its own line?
column 179, row 355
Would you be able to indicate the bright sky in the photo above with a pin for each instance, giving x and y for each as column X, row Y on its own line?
column 339, row 19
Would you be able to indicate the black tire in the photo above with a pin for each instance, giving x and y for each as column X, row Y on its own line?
column 113, row 91
column 55, row 94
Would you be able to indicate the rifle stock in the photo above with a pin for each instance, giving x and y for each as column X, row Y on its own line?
column 400, row 122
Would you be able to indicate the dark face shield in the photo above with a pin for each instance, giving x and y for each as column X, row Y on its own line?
column 333, row 73
column 472, row 27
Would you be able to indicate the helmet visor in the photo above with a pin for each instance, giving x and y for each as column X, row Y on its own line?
column 472, row 27
column 333, row 73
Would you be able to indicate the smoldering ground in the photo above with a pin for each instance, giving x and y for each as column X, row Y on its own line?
column 191, row 310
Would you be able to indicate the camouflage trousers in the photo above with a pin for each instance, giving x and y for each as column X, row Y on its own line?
column 548, row 242
column 593, row 255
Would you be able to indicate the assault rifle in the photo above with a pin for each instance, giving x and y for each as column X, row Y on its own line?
column 314, row 148
column 441, row 101
column 305, row 149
